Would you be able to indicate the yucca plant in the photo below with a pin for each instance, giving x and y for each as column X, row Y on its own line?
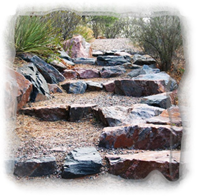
column 35, row 34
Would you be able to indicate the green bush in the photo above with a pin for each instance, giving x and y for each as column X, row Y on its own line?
column 35, row 34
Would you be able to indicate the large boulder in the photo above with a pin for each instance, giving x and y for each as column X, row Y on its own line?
column 50, row 73
column 143, row 60
column 141, row 136
column 36, row 167
column 139, row 87
column 170, row 83
column 77, row 47
column 75, row 87
column 139, row 165
column 48, row 113
column 87, row 73
column 36, row 78
column 111, row 60
column 17, row 92
column 81, row 162
column 108, row 72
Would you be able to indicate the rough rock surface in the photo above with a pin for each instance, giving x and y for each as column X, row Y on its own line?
column 81, row 162
column 141, row 136
column 48, row 113
column 79, row 111
column 69, row 74
column 77, row 47
column 18, row 90
column 162, row 100
column 94, row 86
column 87, row 73
column 171, row 116
column 35, row 167
column 111, row 60
column 74, row 87
column 58, row 65
column 89, row 61
column 51, row 74
column 138, row 166
column 143, row 60
column 119, row 115
column 109, row 86
column 139, row 87
column 54, row 88
column 108, row 72
column 35, row 77
column 170, row 83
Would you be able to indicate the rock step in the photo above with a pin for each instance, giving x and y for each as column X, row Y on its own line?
column 35, row 167
column 72, row 112
column 139, row 165
column 141, row 136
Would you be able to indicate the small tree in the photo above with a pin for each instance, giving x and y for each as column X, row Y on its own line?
column 160, row 37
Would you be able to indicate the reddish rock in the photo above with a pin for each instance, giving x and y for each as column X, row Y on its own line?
column 88, row 73
column 18, row 90
column 170, row 116
column 79, row 111
column 77, row 47
column 139, row 165
column 141, row 136
column 109, row 86
column 54, row 88
column 48, row 113
column 69, row 74
column 138, row 88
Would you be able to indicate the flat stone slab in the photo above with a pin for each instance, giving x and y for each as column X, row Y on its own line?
column 162, row 100
column 139, row 88
column 111, row 60
column 89, row 61
column 36, row 167
column 108, row 72
column 139, row 165
column 69, row 74
column 87, row 73
column 109, row 86
column 48, row 113
column 141, row 136
column 94, row 86
column 74, row 87
column 119, row 115
column 81, row 162
column 143, row 60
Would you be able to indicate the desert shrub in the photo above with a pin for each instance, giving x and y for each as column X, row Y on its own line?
column 85, row 31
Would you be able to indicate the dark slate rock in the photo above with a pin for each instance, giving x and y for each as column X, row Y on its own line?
column 79, row 111
column 108, row 72
column 97, row 53
column 89, row 61
column 134, row 73
column 162, row 100
column 75, row 87
column 143, row 60
column 111, row 60
column 35, row 167
column 170, row 83
column 81, row 162
column 34, row 76
column 94, row 86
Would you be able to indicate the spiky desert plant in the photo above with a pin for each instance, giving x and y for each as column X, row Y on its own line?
column 35, row 34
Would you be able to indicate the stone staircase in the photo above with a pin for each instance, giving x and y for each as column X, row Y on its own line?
column 152, row 130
